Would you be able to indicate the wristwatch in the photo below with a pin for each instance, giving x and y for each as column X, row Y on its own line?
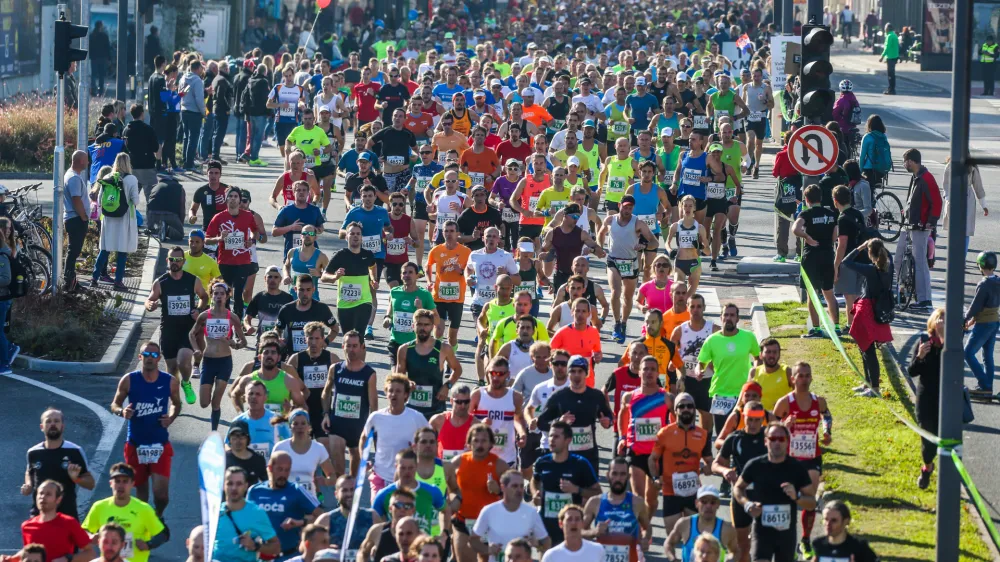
column 449, row 385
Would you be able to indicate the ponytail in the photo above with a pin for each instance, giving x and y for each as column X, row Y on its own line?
column 879, row 255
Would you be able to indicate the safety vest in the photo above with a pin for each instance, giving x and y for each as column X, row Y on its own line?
column 988, row 53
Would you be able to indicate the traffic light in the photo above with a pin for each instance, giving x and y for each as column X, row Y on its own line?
column 64, row 53
column 817, row 96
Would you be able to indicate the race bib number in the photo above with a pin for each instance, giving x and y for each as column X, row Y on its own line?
column 178, row 305
column 510, row 215
column 554, row 502
column 306, row 483
column 501, row 441
column 421, row 396
column 403, row 322
column 372, row 243
column 720, row 113
column 685, row 483
column 722, row 405
column 448, row 454
column 616, row 553
column 263, row 449
column 314, row 376
column 624, row 267
column 755, row 116
column 217, row 328
column 149, row 454
column 396, row 247
column 616, row 184
column 647, row 428
column 557, row 124
column 777, row 517
column 422, row 183
column 668, row 178
column 394, row 160
column 700, row 121
column 691, row 177
column 803, row 445
column 443, row 218
column 619, row 128
column 533, row 203
column 347, row 406
column 486, row 293
column 442, row 157
column 298, row 340
column 235, row 240
column 526, row 286
column 478, row 178
column 558, row 206
column 209, row 199
column 716, row 190
column 650, row 221
column 128, row 549
column 583, row 439
column 272, row 407
column 449, row 290
column 350, row 292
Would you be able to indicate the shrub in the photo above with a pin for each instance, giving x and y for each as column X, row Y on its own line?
column 65, row 327
column 28, row 132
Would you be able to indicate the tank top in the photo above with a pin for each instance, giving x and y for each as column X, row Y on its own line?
column 716, row 189
column 590, row 294
column 647, row 415
column 558, row 110
column 687, row 550
column 692, row 169
column 529, row 282
column 350, row 401
column 462, row 124
column 639, row 158
column 501, row 412
column 804, row 429
column 387, row 545
column 451, row 438
column 691, row 342
column 724, row 105
column 669, row 160
column 277, row 390
column 620, row 174
column 519, row 359
column 687, row 238
column 219, row 328
column 325, row 157
column 646, row 205
column 314, row 373
column 663, row 122
column 623, row 240
column 772, row 385
column 497, row 312
column 300, row 267
column 620, row 127
column 425, row 372
column 623, row 529
column 593, row 160
column 471, row 477
column 150, row 400
column 566, row 315
column 529, row 197
column 756, row 100
column 567, row 247
column 176, row 302
column 732, row 156
column 437, row 479
column 286, row 183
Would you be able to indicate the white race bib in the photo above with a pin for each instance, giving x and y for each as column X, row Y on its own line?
column 421, row 396
column 691, row 177
column 372, row 243
column 619, row 128
column 486, row 293
column 685, row 483
column 668, row 178
column 403, row 322
column 298, row 340
column 583, row 439
column 314, row 376
column 722, row 405
column 448, row 454
column 510, row 215
column 715, row 190
column 803, row 445
column 263, row 449
column 128, row 550
column 720, row 113
column 217, row 328
column 149, row 454
column 777, row 517
column 647, row 428
column 526, row 286
column 449, row 290
column 235, row 240
column 616, row 553
column 533, row 203
column 347, row 406
column 394, row 160
column 650, row 221
column 350, row 292
column 700, row 121
column 755, row 116
column 178, row 305
column 396, row 247
column 554, row 502
column 478, row 178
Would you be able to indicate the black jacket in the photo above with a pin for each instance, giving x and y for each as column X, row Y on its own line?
column 240, row 84
column 141, row 144
column 157, row 83
column 254, row 99
column 99, row 46
column 927, row 373
column 223, row 95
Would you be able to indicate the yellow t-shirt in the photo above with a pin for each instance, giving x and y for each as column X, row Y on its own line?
column 551, row 200
column 204, row 267
column 773, row 385
column 464, row 181
column 138, row 519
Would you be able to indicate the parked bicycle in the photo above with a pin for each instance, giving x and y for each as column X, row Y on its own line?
column 887, row 216
column 906, row 283
column 33, row 237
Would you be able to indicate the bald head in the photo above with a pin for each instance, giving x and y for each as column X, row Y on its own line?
column 79, row 161
column 279, row 468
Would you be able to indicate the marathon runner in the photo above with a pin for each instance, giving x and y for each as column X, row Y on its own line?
column 728, row 352
column 717, row 212
column 289, row 506
column 734, row 421
column 261, row 238
column 645, row 410
column 517, row 351
column 687, row 529
column 307, row 456
column 175, row 291
column 262, row 433
column 617, row 173
column 424, row 361
column 314, row 143
column 657, row 343
column 354, row 183
column 376, row 227
column 446, row 264
column 573, row 548
column 691, row 176
column 624, row 379
column 198, row 262
column 591, row 290
column 393, row 145
column 306, row 259
column 296, row 172
column 503, row 187
column 446, row 204
column 773, row 376
column 524, row 199
column 239, row 454
column 293, row 317
column 562, row 314
column 691, row 238
column 667, row 157
column 452, row 426
column 509, row 519
column 326, row 170
column 502, row 409
column 211, row 197
column 397, row 246
column 431, row 470
column 421, row 175
column 354, row 269
column 234, row 231
column 485, row 265
column 265, row 306
column 289, row 99
column 564, row 242
column 404, row 301
column 148, row 451
column 760, row 102
column 284, row 391
column 681, row 453
column 580, row 406
column 619, row 517
column 336, row 520
column 380, row 541
column 651, row 207
column 429, row 498
column 492, row 314
column 142, row 527
column 477, row 484
column 393, row 427
column 350, row 391
column 313, row 367
column 678, row 313
column 561, row 477
column 212, row 338
column 581, row 338
column 627, row 236
column 837, row 543
column 297, row 216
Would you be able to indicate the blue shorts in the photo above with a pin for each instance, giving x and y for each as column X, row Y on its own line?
column 283, row 130
column 216, row 369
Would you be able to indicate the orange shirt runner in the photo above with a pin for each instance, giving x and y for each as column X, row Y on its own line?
column 530, row 195
column 480, row 167
column 536, row 114
column 454, row 141
column 680, row 453
column 448, row 266
column 472, row 477
column 585, row 342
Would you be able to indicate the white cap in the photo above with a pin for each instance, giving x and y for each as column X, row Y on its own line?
column 545, row 59
column 495, row 82
column 708, row 490
column 640, row 81
column 572, row 161
column 683, row 77
column 527, row 92
column 667, row 132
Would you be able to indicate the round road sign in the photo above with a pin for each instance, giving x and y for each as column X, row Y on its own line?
column 813, row 150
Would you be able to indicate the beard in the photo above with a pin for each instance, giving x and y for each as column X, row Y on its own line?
column 769, row 362
column 687, row 417
column 53, row 433
column 730, row 327
column 618, row 487
column 269, row 363
column 423, row 336
column 175, row 267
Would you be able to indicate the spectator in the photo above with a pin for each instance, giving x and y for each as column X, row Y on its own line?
column 254, row 104
column 172, row 109
column 208, row 125
column 240, row 84
column 76, row 216
column 923, row 209
column 105, row 149
column 307, row 40
column 222, row 106
column 973, row 191
column 195, row 543
column 166, row 206
column 143, row 147
column 876, row 285
column 99, row 47
column 119, row 118
column 119, row 234
column 6, row 255
column 152, row 48
column 107, row 116
column 157, row 106
column 60, row 534
column 926, row 368
column 252, row 36
column 192, row 91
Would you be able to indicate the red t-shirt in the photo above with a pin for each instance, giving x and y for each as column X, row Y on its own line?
column 506, row 151
column 419, row 126
column 235, row 231
column 365, row 96
column 60, row 536
column 411, row 86
column 492, row 141
column 398, row 243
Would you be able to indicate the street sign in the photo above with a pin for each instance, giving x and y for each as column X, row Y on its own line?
column 813, row 150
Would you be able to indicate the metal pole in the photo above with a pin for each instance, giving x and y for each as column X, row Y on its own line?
column 952, row 359
column 814, row 9
column 122, row 66
column 788, row 17
column 140, row 69
column 57, row 178
column 83, row 97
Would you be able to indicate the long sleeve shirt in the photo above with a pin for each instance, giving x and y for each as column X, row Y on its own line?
column 194, row 99
column 891, row 48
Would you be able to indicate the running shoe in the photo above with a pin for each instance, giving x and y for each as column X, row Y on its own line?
column 369, row 333
column 814, row 333
column 732, row 245
column 836, row 329
column 714, row 266
column 189, row 396
column 924, row 304
column 806, row 549
column 778, row 259
column 616, row 334
column 420, row 271
column 119, row 286
column 756, row 172
column 106, row 279
column 924, row 480
column 258, row 163
column 859, row 388
column 266, row 143
column 6, row 370
column 324, row 214
column 869, row 393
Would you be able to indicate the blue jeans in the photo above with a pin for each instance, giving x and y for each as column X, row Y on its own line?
column 192, row 134
column 258, row 123
column 241, row 136
column 207, row 130
column 101, row 265
column 983, row 337
column 5, row 346
column 219, row 134
column 269, row 127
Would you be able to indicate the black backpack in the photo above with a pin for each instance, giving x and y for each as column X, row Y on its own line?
column 885, row 303
column 20, row 277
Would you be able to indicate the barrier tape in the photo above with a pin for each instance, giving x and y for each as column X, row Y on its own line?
column 953, row 446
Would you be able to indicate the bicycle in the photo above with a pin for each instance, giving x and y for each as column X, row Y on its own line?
column 888, row 219
column 906, row 284
column 27, row 218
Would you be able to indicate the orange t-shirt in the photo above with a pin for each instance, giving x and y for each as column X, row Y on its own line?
column 454, row 141
column 536, row 114
column 577, row 342
column 449, row 275
column 419, row 125
column 472, row 477
column 673, row 319
column 658, row 349
column 680, row 454
column 529, row 197
column 480, row 166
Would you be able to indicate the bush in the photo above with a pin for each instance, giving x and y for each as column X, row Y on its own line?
column 28, row 132
column 63, row 327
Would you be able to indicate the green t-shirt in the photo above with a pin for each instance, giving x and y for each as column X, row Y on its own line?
column 503, row 68
column 403, row 307
column 382, row 48
column 138, row 519
column 730, row 356
column 551, row 200
column 430, row 502
column 506, row 330
column 308, row 139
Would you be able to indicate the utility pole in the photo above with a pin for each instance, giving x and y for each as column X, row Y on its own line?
column 140, row 71
column 83, row 97
column 788, row 17
column 121, row 80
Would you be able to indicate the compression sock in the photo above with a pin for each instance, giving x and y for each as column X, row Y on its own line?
column 733, row 226
column 808, row 518
column 216, row 416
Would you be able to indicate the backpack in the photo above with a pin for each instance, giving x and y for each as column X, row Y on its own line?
column 20, row 277
column 785, row 196
column 112, row 199
column 856, row 115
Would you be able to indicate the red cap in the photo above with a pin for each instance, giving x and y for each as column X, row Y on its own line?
column 752, row 385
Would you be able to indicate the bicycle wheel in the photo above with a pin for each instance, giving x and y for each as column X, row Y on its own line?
column 907, row 281
column 36, row 234
column 890, row 216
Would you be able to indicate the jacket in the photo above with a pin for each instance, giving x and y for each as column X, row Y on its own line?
column 974, row 192
column 254, row 99
column 240, row 84
column 891, row 49
column 875, row 152
column 223, row 96
column 194, row 99
column 5, row 271
column 843, row 109
column 923, row 202
column 141, row 144
column 99, row 45
column 157, row 83
column 986, row 301
column 782, row 165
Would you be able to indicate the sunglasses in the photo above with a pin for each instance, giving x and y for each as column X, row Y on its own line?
column 399, row 204
column 175, row 260
column 426, row 152
column 462, row 402
column 661, row 266
column 498, row 373
column 153, row 354
column 560, row 363
column 403, row 505
column 777, row 439
column 685, row 407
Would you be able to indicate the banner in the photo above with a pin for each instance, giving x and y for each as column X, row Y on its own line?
column 778, row 45
column 211, row 473
column 358, row 485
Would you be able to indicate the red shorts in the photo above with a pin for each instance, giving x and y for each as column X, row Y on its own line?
column 142, row 471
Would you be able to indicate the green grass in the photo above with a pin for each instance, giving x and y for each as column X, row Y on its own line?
column 874, row 459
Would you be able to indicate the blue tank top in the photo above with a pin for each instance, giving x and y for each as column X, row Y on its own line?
column 639, row 158
column 300, row 267
column 692, row 169
column 150, row 400
column 338, row 530
column 687, row 550
column 621, row 520
column 646, row 205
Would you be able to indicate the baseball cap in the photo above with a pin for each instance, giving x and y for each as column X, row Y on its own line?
column 479, row 94
column 640, row 81
column 125, row 471
column 495, row 82
column 572, row 161
column 197, row 234
column 325, row 108
column 579, row 361
column 249, row 64
column 527, row 92
column 683, row 77
column 590, row 123
column 752, row 385
column 667, row 132
column 628, row 199
column 513, row 162
column 708, row 490
column 715, row 147
column 238, row 426
column 532, row 45
column 364, row 156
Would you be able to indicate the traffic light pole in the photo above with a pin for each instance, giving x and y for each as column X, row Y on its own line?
column 83, row 99
column 58, row 161
column 788, row 17
column 121, row 80
column 140, row 71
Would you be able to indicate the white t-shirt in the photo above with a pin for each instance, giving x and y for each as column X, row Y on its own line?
column 593, row 103
column 486, row 267
column 559, row 140
column 392, row 434
column 529, row 377
column 499, row 526
column 540, row 397
column 589, row 552
column 304, row 466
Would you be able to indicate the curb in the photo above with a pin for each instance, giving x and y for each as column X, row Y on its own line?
column 758, row 322
column 126, row 332
column 25, row 176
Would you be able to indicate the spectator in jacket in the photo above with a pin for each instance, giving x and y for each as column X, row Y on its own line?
column 890, row 54
column 76, row 216
column 925, row 367
column 119, row 234
column 143, row 147
column 789, row 179
column 222, row 106
column 875, row 277
column 876, row 155
column 923, row 208
column 171, row 111
column 240, row 84
column 252, row 36
column 107, row 117
column 208, row 126
column 105, row 150
column 152, row 48
column 166, row 207
column 99, row 48
column 254, row 102
column 973, row 191
column 157, row 107
column 192, row 91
